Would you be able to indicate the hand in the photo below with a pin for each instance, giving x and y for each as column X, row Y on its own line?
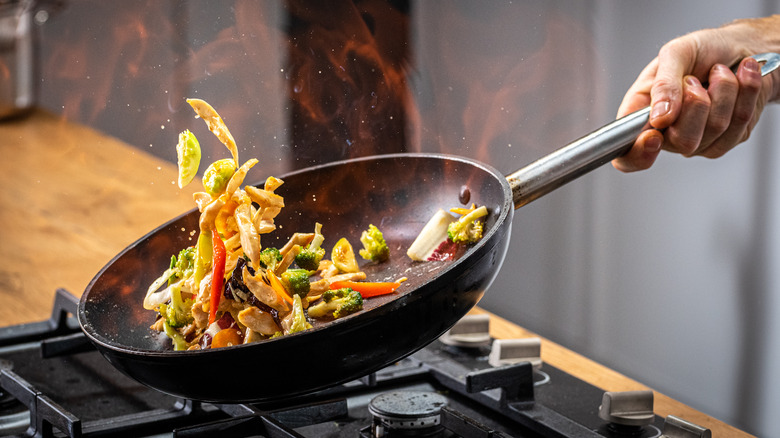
column 688, row 118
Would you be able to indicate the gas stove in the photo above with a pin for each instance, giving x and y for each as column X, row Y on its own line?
column 465, row 384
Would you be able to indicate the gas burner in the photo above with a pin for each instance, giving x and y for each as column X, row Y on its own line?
column 406, row 413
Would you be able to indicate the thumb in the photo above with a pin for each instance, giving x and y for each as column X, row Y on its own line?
column 667, row 89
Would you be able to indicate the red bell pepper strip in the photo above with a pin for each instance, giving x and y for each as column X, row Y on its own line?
column 367, row 289
column 217, row 275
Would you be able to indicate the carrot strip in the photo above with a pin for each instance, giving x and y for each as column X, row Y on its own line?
column 367, row 289
column 278, row 287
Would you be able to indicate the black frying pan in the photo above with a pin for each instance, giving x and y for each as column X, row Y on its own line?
column 398, row 193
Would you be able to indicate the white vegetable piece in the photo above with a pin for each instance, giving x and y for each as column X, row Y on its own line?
column 431, row 236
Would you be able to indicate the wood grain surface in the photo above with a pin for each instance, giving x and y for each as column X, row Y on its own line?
column 72, row 198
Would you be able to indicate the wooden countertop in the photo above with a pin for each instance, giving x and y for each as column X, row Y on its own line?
column 72, row 198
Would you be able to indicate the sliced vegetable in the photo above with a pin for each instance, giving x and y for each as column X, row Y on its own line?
column 367, row 289
column 432, row 235
column 343, row 256
column 203, row 255
column 297, row 318
column 467, row 229
column 217, row 176
column 221, row 222
column 278, row 287
column 179, row 343
column 218, row 274
column 337, row 303
column 188, row 155
column 226, row 338
column 215, row 124
column 310, row 257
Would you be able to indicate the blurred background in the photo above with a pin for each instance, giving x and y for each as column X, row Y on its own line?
column 668, row 276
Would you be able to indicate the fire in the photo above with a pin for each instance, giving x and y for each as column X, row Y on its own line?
column 347, row 79
column 302, row 83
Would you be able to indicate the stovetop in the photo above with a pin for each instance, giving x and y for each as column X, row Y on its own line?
column 53, row 383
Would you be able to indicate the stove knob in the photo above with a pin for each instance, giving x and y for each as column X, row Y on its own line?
column 627, row 408
column 470, row 331
column 512, row 351
column 675, row 427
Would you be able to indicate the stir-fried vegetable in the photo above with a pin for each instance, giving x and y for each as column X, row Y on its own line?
column 467, row 229
column 188, row 154
column 310, row 257
column 337, row 304
column 343, row 256
column 374, row 246
column 217, row 176
column 367, row 289
column 218, row 275
column 228, row 288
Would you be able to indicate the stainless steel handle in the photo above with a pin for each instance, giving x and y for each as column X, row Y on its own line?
column 591, row 151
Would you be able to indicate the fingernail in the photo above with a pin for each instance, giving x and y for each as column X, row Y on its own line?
column 721, row 68
column 692, row 81
column 654, row 144
column 660, row 109
column 752, row 65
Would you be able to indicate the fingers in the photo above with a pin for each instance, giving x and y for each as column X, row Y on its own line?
column 744, row 111
column 710, row 122
column 674, row 62
column 685, row 134
column 643, row 154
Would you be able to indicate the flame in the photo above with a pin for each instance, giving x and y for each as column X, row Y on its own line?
column 347, row 79
column 301, row 83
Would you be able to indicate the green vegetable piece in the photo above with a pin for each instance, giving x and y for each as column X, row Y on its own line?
column 468, row 229
column 309, row 258
column 179, row 343
column 178, row 312
column 203, row 255
column 188, row 154
column 269, row 257
column 296, row 281
column 185, row 263
column 337, row 303
column 299, row 322
column 217, row 176
column 374, row 245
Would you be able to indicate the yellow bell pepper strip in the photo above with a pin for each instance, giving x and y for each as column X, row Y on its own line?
column 367, row 289
column 218, row 274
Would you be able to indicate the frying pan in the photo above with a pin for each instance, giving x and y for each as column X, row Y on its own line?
column 345, row 197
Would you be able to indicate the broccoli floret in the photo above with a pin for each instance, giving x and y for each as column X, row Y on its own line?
column 338, row 303
column 183, row 265
column 299, row 322
column 178, row 312
column 269, row 257
column 467, row 229
column 310, row 257
column 296, row 281
column 374, row 245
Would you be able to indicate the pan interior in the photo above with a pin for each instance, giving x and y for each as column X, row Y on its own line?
column 397, row 193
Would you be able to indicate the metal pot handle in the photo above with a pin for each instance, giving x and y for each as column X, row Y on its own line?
column 591, row 151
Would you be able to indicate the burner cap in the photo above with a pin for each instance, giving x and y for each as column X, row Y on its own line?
column 408, row 409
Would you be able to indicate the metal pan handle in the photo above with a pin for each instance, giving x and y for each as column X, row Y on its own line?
column 595, row 149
